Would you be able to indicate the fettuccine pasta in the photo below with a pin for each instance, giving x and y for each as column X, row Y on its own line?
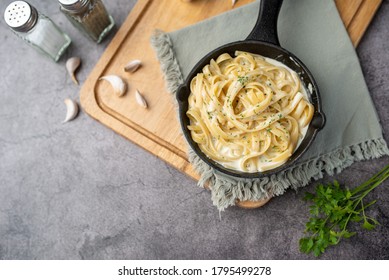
column 248, row 112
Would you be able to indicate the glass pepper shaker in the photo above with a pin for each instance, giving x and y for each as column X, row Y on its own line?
column 36, row 29
column 89, row 16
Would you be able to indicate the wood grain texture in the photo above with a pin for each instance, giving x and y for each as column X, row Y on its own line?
column 348, row 9
column 156, row 129
column 362, row 19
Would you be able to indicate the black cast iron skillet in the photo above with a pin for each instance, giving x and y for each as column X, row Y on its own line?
column 263, row 40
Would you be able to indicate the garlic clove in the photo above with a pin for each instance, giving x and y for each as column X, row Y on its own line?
column 234, row 2
column 140, row 99
column 72, row 110
column 132, row 66
column 118, row 84
column 72, row 65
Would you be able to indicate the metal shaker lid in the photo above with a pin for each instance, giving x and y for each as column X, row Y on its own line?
column 20, row 16
column 73, row 5
column 68, row 2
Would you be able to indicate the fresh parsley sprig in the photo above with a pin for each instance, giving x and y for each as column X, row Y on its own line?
column 333, row 209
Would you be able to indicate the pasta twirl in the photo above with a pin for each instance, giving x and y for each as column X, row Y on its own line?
column 248, row 112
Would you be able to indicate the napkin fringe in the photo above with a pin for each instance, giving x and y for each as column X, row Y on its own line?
column 169, row 65
column 226, row 190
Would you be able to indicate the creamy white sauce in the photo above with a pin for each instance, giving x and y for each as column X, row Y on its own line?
column 236, row 165
column 303, row 90
column 310, row 88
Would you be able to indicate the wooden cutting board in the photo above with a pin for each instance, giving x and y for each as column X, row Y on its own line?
column 156, row 129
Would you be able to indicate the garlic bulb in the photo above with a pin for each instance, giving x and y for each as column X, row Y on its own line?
column 72, row 65
column 118, row 84
column 72, row 110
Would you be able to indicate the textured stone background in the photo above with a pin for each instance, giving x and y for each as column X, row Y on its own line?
column 80, row 191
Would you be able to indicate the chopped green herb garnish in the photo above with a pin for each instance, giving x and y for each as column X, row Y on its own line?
column 333, row 209
column 243, row 80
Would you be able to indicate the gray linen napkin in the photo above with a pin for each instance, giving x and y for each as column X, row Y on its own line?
column 314, row 32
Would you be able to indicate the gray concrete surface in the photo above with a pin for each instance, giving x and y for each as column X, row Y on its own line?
column 80, row 191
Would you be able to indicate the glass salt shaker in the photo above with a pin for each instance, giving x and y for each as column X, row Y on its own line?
column 36, row 29
column 89, row 16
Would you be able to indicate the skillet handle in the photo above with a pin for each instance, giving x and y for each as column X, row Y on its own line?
column 266, row 27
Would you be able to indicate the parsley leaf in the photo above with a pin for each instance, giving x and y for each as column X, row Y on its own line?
column 333, row 208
